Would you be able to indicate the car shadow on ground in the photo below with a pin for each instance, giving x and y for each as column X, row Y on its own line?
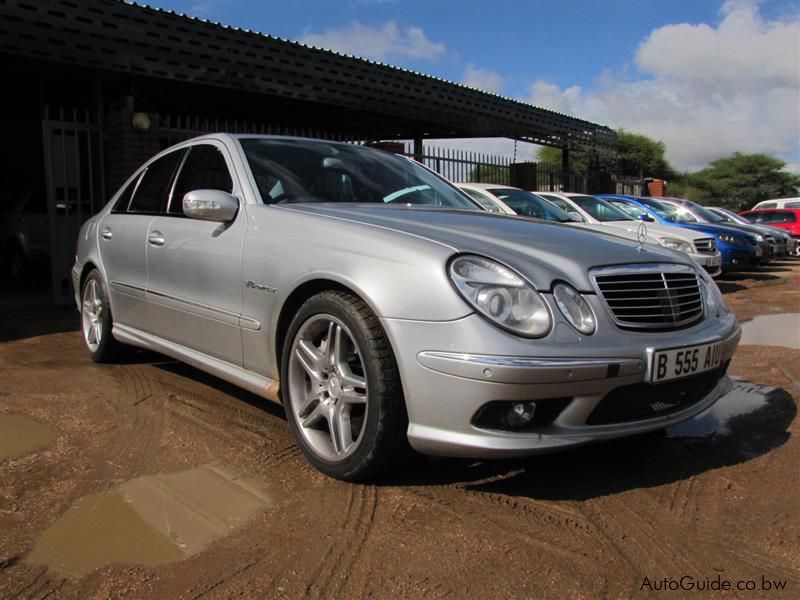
column 749, row 275
column 728, row 288
column 197, row 376
column 620, row 465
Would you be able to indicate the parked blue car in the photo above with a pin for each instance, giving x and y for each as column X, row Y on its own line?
column 740, row 250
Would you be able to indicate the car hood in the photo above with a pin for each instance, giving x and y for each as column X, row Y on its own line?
column 653, row 229
column 713, row 228
column 541, row 251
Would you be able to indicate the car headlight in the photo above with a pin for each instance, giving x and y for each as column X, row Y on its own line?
column 730, row 239
column 500, row 295
column 575, row 308
column 676, row 244
column 758, row 237
column 712, row 298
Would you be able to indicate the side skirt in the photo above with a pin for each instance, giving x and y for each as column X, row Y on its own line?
column 257, row 384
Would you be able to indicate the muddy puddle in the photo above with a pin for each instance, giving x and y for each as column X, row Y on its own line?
column 744, row 398
column 149, row 520
column 21, row 435
column 773, row 330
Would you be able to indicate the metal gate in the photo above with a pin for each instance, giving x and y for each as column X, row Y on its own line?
column 74, row 184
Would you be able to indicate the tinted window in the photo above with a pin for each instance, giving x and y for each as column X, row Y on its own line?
column 484, row 202
column 151, row 195
column 632, row 210
column 531, row 205
column 292, row 170
column 121, row 205
column 600, row 209
column 203, row 169
column 792, row 205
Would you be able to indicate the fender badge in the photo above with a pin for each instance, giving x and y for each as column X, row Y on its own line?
column 260, row 286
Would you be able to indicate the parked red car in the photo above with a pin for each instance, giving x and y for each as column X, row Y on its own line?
column 785, row 218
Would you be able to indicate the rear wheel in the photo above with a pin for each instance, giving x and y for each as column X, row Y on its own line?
column 96, row 321
column 341, row 388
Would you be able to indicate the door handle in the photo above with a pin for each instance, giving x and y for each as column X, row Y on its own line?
column 106, row 233
column 156, row 238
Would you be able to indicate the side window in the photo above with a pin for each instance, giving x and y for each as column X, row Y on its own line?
column 151, row 195
column 203, row 169
column 121, row 205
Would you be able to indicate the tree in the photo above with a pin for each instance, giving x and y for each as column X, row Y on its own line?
column 489, row 174
column 741, row 180
column 637, row 154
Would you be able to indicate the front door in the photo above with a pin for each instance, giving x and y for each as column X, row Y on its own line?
column 194, row 282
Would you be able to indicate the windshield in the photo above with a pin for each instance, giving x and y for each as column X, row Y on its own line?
column 668, row 212
column 485, row 203
column 724, row 216
column 703, row 213
column 300, row 170
column 630, row 209
column 600, row 209
column 530, row 205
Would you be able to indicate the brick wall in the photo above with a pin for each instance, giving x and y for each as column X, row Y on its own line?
column 127, row 148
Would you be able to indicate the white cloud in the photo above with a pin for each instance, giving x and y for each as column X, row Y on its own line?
column 379, row 43
column 483, row 79
column 708, row 91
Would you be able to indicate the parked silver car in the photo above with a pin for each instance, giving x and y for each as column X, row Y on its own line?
column 367, row 294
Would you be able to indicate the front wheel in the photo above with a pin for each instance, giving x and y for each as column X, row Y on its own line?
column 341, row 388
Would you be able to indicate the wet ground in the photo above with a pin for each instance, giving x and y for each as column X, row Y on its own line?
column 151, row 479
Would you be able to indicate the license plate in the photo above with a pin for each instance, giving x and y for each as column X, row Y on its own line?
column 683, row 362
column 759, row 252
column 714, row 261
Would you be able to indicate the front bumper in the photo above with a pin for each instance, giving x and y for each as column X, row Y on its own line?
column 736, row 259
column 712, row 263
column 446, row 388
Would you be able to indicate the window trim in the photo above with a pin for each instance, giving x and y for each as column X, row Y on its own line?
column 228, row 165
column 160, row 156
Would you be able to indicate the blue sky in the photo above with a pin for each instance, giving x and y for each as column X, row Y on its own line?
column 606, row 61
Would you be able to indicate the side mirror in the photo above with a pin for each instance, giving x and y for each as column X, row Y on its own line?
column 576, row 215
column 646, row 217
column 210, row 205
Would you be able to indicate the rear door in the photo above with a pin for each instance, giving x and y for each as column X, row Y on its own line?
column 194, row 267
column 123, row 239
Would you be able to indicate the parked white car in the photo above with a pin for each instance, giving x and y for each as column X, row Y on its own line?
column 511, row 200
column 778, row 203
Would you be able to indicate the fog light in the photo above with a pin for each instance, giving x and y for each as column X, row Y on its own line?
column 520, row 414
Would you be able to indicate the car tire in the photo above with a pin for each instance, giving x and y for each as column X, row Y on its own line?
column 97, row 322
column 341, row 389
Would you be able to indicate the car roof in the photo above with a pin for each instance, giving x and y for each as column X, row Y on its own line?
column 486, row 186
column 771, row 210
column 565, row 194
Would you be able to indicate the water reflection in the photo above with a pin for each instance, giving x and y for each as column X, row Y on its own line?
column 21, row 435
column 149, row 520
column 773, row 330
column 744, row 398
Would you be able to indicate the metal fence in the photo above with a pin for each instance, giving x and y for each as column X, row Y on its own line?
column 454, row 164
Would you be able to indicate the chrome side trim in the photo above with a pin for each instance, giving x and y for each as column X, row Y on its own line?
column 252, row 382
column 523, row 369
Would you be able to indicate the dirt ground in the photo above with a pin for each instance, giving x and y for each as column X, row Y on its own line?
column 151, row 479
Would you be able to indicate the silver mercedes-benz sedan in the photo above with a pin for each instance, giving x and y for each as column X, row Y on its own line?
column 368, row 296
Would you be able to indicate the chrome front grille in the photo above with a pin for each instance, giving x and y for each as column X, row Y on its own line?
column 651, row 296
column 706, row 245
